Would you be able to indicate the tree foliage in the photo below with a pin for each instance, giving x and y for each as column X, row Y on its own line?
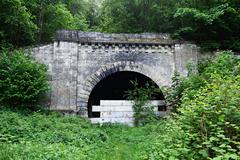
column 16, row 23
column 25, row 22
column 56, row 17
column 213, row 24
column 137, row 16
column 22, row 79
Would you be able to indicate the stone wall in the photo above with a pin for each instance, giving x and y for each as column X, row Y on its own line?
column 77, row 61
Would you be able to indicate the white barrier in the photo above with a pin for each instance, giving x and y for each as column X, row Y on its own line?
column 121, row 111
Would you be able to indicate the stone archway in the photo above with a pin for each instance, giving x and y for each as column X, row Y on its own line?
column 112, row 68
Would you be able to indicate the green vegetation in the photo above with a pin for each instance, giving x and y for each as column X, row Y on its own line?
column 214, row 24
column 210, row 109
column 143, row 111
column 22, row 79
column 42, row 135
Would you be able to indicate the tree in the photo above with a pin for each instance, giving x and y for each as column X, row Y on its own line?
column 56, row 17
column 138, row 15
column 16, row 23
column 213, row 24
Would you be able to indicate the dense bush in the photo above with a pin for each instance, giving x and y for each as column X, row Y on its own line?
column 210, row 109
column 206, row 124
column 224, row 65
column 22, row 79
column 212, row 119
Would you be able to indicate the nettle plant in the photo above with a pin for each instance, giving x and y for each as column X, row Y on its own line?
column 141, row 95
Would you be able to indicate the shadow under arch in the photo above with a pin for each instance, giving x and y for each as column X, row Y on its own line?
column 115, row 86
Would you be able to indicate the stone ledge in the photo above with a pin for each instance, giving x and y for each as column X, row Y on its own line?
column 121, row 38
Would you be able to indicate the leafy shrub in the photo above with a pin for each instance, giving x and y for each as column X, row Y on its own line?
column 170, row 142
column 141, row 95
column 210, row 112
column 22, row 79
column 225, row 64
column 212, row 119
column 173, row 93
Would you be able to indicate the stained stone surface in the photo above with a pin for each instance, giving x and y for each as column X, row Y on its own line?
column 77, row 61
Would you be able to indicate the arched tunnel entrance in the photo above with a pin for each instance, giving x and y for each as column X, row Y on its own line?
column 115, row 86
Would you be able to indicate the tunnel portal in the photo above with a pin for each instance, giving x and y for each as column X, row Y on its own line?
column 88, row 68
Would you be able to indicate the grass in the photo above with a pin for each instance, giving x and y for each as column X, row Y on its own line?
column 40, row 135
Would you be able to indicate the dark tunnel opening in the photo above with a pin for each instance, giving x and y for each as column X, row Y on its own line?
column 115, row 86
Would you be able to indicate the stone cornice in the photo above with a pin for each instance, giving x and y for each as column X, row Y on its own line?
column 121, row 38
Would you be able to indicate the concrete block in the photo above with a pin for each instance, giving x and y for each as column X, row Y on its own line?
column 115, row 103
column 116, row 108
column 112, row 108
column 117, row 114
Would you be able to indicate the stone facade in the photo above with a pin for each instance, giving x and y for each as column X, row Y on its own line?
column 77, row 61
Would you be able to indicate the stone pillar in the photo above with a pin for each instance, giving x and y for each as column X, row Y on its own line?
column 64, row 76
